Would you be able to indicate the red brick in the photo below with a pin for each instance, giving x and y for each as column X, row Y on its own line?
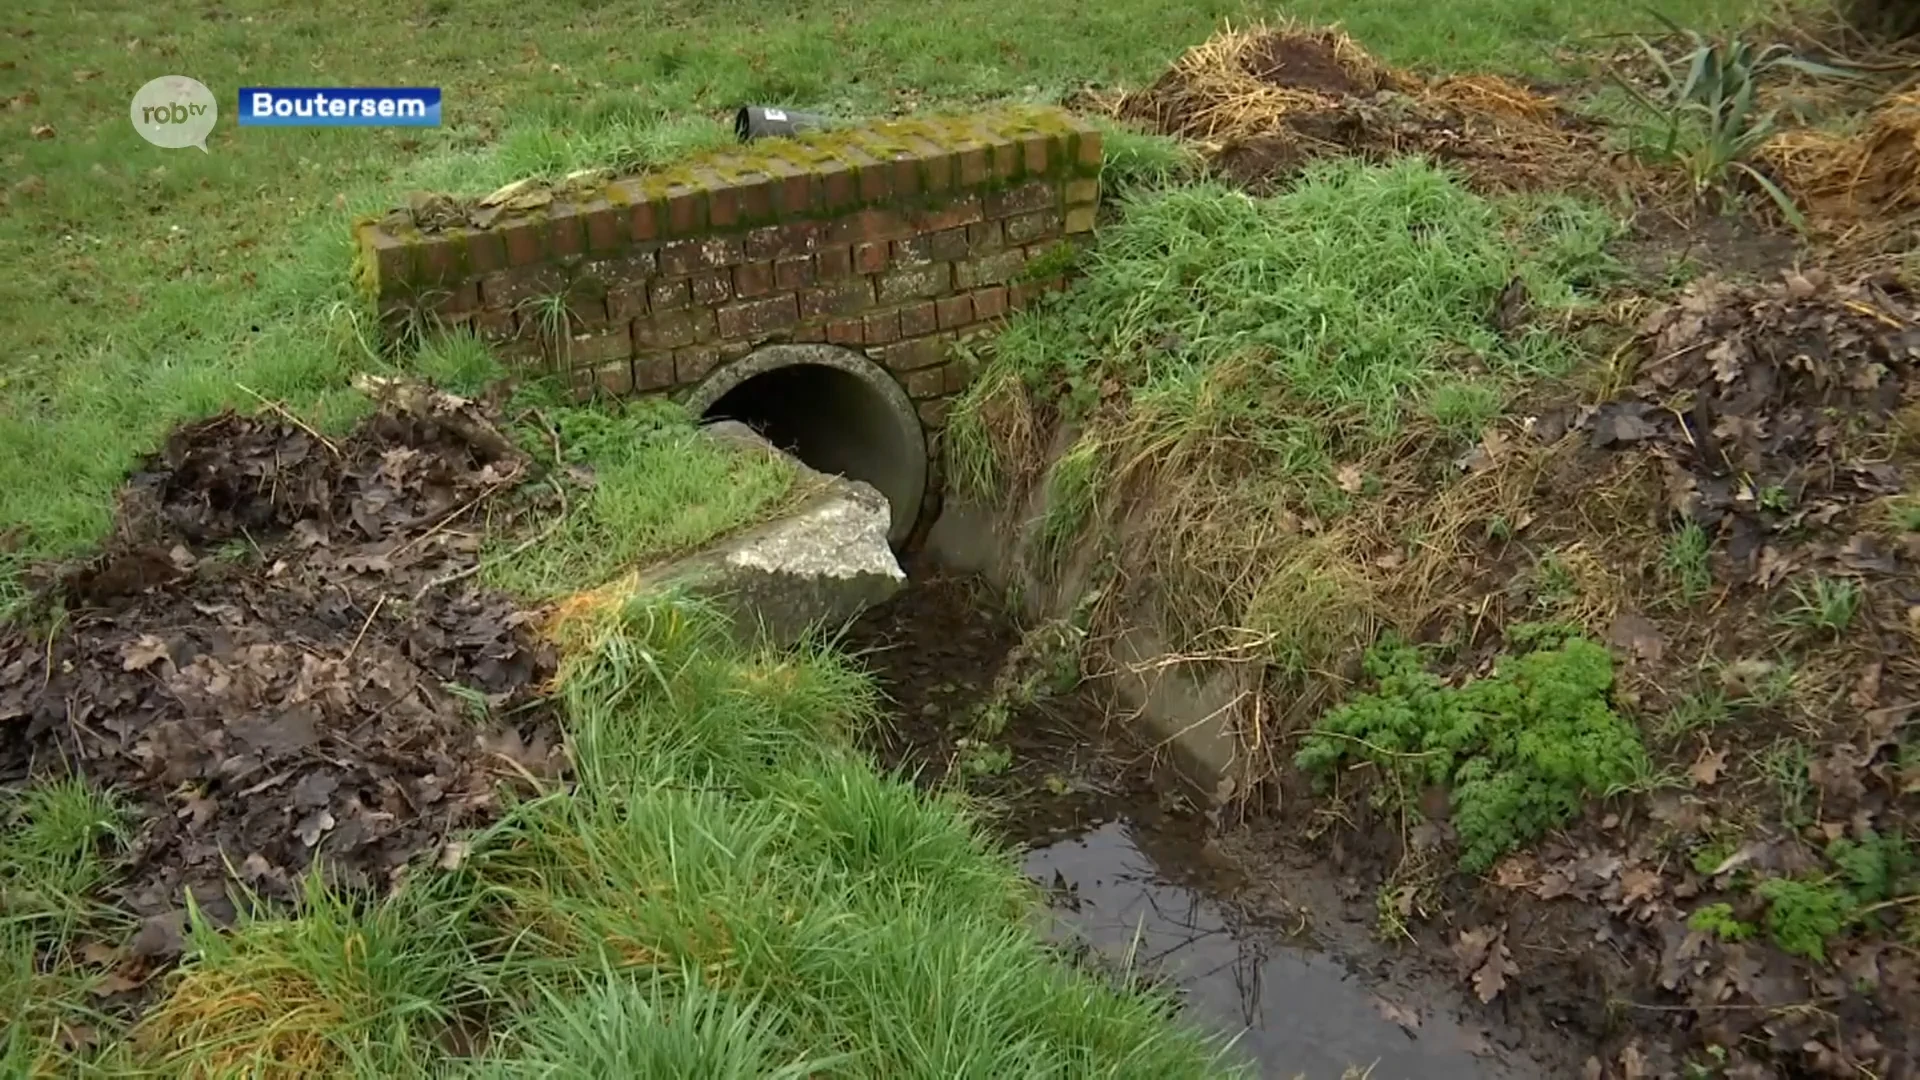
column 608, row 272
column 486, row 252
column 953, row 215
column 925, row 383
column 753, row 279
column 874, row 224
column 989, row 303
column 795, row 190
column 1089, row 149
column 592, row 350
column 936, row 165
column 643, row 221
column 1024, row 199
column 933, row 412
column 627, row 300
column 734, row 350
column 869, row 258
column 712, row 287
column 838, row 189
column 810, row 333
column 694, row 362
column 667, row 294
column 954, row 311
column 881, row 328
column 833, row 263
column 974, row 167
column 913, row 251
column 1025, row 293
column 587, row 310
column 525, row 242
column 846, row 332
column 439, row 260
column 1034, row 153
column 1080, row 220
column 1027, row 228
column 915, row 354
column 845, row 297
column 782, row 241
column 607, row 227
column 757, row 318
column 1082, row 189
column 392, row 259
column 493, row 325
column 756, row 197
column 510, row 288
column 913, row 283
column 907, row 170
column 461, row 299
column 985, row 237
column 615, row 380
column 705, row 326
column 653, row 371
column 947, row 245
column 723, row 202
column 917, row 319
column 665, row 330
column 992, row 269
column 794, row 273
column 954, row 378
column 686, row 210
column 876, row 181
column 566, row 232
column 693, row 255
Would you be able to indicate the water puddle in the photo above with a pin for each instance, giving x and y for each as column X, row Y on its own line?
column 1297, row 1011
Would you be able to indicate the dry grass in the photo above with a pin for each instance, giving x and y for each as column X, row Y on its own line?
column 264, row 1022
column 1215, row 91
column 1861, row 189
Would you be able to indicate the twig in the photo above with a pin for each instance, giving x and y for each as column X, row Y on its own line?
column 1898, row 901
column 448, row 517
column 355, row 647
column 559, row 487
column 290, row 418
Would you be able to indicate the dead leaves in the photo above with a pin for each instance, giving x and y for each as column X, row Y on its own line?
column 1707, row 767
column 1485, row 960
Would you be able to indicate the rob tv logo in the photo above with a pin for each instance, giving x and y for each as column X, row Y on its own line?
column 175, row 112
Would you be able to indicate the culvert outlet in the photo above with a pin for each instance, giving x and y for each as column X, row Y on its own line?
column 833, row 409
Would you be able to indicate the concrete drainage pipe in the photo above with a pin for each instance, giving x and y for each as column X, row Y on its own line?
column 833, row 409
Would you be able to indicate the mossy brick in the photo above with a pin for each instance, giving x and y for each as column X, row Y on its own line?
column 795, row 190
column 793, row 273
column 440, row 260
column 1080, row 219
column 643, row 222
column 974, row 167
column 705, row 326
column 1005, row 161
column 526, row 240
column 935, row 165
column 608, row 380
column 809, row 334
column 784, row 240
column 756, row 197
column 947, row 245
column 954, row 377
column 1029, row 197
column 389, row 258
column 686, row 210
column 666, row 330
column 756, row 319
column 753, row 279
column 693, row 363
column 511, row 288
column 913, row 283
column 990, row 302
column 873, row 224
column 486, row 251
column 881, row 328
column 926, row 382
column 913, row 251
column 627, row 300
column 653, row 371
column 918, row 319
column 839, row 187
column 587, row 311
column 1027, row 228
column 734, row 350
column 985, row 237
column 915, row 353
column 952, row 311
column 711, row 287
column 950, row 214
column 1081, row 190
column 846, row 331
column 907, row 175
column 876, row 181
column 933, row 412
column 723, row 200
column 604, row 273
column 1036, row 154
column 669, row 294
column 833, row 263
column 566, row 231
column 451, row 300
column 700, row 253
column 607, row 226
column 600, row 346
column 870, row 258
column 846, row 297
column 1087, row 149
column 997, row 268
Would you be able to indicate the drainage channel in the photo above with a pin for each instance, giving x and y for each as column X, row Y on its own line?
column 1138, row 888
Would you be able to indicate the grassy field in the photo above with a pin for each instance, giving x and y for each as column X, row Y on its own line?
column 151, row 285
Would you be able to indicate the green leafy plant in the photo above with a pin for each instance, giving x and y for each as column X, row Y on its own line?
column 1803, row 914
column 1874, row 867
column 1718, row 920
column 1521, row 749
column 1903, row 511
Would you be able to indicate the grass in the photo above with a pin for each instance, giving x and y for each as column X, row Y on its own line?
column 1822, row 606
column 1684, row 564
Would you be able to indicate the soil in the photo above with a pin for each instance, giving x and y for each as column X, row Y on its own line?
column 269, row 664
column 1302, row 63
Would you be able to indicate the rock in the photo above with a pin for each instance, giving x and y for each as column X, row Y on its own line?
column 816, row 566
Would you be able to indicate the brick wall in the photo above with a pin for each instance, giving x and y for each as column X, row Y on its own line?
column 897, row 238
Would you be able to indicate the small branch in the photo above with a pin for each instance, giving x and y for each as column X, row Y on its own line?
column 290, row 418
column 355, row 647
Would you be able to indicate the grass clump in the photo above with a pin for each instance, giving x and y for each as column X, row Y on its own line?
column 1684, row 563
column 53, row 856
column 1521, row 750
column 658, row 488
column 1824, row 605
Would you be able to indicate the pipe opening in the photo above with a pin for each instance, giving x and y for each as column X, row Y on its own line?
column 837, row 421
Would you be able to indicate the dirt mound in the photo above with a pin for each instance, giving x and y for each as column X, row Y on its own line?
column 1862, row 189
column 1271, row 99
column 274, row 659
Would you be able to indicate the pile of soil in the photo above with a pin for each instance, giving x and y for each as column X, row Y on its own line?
column 275, row 661
column 1266, row 101
column 1778, row 418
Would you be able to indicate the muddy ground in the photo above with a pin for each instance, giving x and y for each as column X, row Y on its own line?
column 280, row 661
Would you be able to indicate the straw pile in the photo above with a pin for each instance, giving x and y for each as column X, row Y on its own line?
column 1861, row 189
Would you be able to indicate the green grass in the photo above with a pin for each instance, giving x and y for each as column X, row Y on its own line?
column 1822, row 606
column 1684, row 563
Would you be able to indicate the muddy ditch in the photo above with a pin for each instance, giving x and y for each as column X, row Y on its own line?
column 1276, row 954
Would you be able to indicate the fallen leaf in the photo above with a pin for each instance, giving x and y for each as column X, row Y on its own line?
column 1484, row 955
column 454, row 855
column 41, row 131
column 313, row 826
column 1639, row 885
column 1866, row 691
column 143, row 653
column 84, row 74
column 1350, row 479
column 1706, row 771
column 114, row 983
column 1636, row 634
column 1491, row 979
column 1408, row 1019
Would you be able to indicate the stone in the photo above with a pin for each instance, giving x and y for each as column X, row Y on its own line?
column 813, row 568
